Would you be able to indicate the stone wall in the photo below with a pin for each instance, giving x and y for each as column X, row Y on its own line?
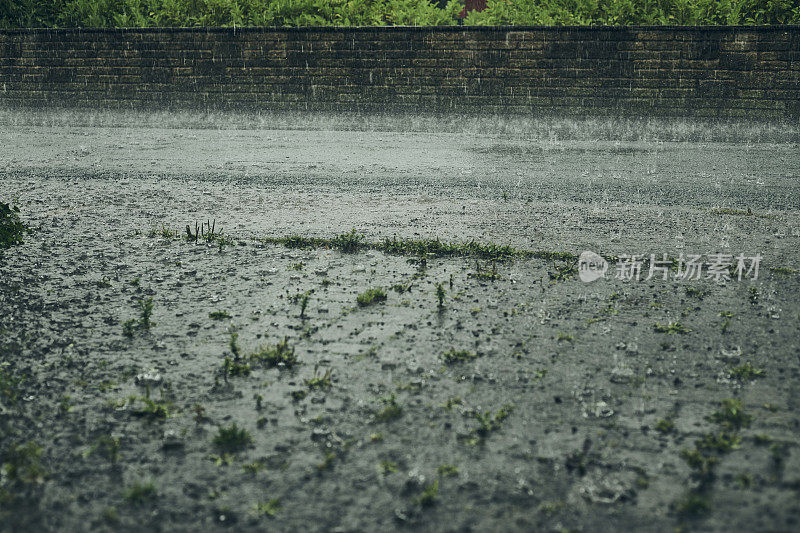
column 728, row 71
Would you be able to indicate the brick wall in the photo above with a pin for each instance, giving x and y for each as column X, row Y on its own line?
column 668, row 71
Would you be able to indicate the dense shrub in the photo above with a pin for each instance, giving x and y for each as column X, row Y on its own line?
column 144, row 13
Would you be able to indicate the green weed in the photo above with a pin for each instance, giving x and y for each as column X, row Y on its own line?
column 270, row 508
column 320, row 382
column 279, row 356
column 440, row 294
column 671, row 328
column 692, row 505
column 731, row 415
column 429, row 494
column 12, row 229
column 371, row 296
column 719, row 442
column 107, row 447
column 446, row 470
column 487, row 423
column 388, row 467
column 145, row 312
column 665, row 425
column 140, row 493
column 453, row 356
column 9, row 385
column 232, row 439
column 746, row 372
column 23, row 463
column 391, row 410
column 482, row 273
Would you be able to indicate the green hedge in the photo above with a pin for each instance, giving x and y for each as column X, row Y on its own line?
column 145, row 13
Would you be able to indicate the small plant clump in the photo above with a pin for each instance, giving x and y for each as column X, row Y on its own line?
column 11, row 227
column 232, row 439
column 665, row 425
column 429, row 494
column 746, row 372
column 348, row 243
column 235, row 366
column 446, row 470
column 563, row 271
column 320, row 382
column 9, row 386
column 219, row 315
column 731, row 415
column 453, row 356
column 150, row 409
column 270, row 508
column 440, row 295
column 22, row 463
column 371, row 296
column 302, row 298
column 391, row 410
column 164, row 232
column 140, row 493
column 487, row 423
column 671, row 328
column 145, row 313
column 704, row 457
column 281, row 355
column 483, row 273
column 107, row 447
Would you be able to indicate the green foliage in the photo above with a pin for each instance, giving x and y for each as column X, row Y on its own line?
column 150, row 409
column 348, row 242
column 371, row 296
column 232, row 439
column 391, row 410
column 140, row 493
column 746, row 372
column 270, row 508
column 22, row 463
column 692, row 505
column 731, row 415
column 234, row 367
column 440, row 295
column 429, row 494
column 9, row 386
column 671, row 328
column 107, row 447
column 11, row 227
column 446, row 470
column 145, row 312
column 148, row 13
column 665, row 425
column 320, row 382
column 454, row 356
column 629, row 12
column 281, row 355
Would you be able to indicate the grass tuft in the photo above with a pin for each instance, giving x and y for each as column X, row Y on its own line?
column 281, row 355
column 371, row 296
column 11, row 227
column 453, row 356
column 232, row 439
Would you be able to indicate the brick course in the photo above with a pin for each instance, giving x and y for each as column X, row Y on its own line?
column 727, row 71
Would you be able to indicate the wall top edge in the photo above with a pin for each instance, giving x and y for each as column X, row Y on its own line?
column 423, row 29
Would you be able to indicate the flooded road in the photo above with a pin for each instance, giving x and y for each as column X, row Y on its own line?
column 337, row 379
